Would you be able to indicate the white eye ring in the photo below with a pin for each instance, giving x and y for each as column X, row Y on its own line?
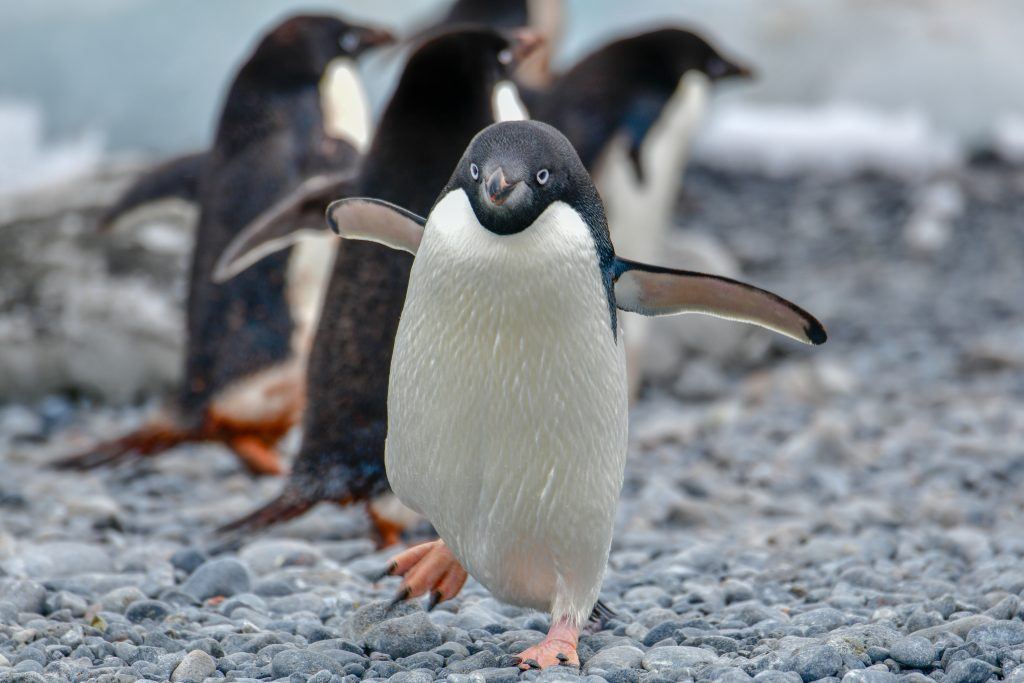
column 505, row 57
column 474, row 171
column 349, row 42
column 543, row 175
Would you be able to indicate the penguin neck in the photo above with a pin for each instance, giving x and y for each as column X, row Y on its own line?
column 344, row 103
column 255, row 111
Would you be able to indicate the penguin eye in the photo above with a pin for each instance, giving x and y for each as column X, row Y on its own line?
column 349, row 41
column 542, row 176
column 505, row 57
column 474, row 171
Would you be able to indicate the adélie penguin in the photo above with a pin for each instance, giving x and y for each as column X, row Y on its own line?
column 443, row 98
column 247, row 340
column 632, row 109
column 171, row 188
column 508, row 400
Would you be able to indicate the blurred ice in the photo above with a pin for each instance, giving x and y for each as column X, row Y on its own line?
column 835, row 139
column 28, row 162
column 1008, row 137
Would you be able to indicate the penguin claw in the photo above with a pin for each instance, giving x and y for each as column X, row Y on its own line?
column 435, row 598
column 387, row 571
column 430, row 567
column 402, row 595
column 531, row 663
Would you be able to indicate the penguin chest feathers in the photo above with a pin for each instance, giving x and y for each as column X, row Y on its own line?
column 508, row 400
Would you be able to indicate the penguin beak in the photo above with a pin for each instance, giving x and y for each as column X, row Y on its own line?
column 499, row 189
column 524, row 42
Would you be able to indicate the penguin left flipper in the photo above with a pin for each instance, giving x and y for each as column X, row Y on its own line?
column 653, row 291
column 375, row 220
column 283, row 224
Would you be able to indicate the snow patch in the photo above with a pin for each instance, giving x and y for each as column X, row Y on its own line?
column 836, row 140
column 29, row 161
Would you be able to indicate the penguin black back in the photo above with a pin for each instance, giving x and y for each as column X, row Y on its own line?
column 624, row 86
column 497, row 13
column 442, row 99
column 269, row 137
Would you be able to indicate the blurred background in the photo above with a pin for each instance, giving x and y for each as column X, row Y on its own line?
column 873, row 173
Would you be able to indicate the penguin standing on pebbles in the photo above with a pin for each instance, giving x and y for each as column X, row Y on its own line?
column 631, row 109
column 443, row 98
column 508, row 400
column 247, row 340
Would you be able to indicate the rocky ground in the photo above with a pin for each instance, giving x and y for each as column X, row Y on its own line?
column 850, row 513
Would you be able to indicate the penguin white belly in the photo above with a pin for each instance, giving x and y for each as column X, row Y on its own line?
column 640, row 214
column 508, row 405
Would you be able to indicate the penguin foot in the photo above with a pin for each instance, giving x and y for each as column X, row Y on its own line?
column 557, row 649
column 148, row 441
column 428, row 567
column 259, row 458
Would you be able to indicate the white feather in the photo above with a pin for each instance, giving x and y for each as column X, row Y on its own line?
column 640, row 214
column 508, row 402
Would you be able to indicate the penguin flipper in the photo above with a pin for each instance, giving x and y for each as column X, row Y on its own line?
column 653, row 291
column 283, row 224
column 177, row 178
column 374, row 220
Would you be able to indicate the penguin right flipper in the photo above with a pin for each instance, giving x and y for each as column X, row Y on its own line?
column 653, row 291
column 374, row 220
column 174, row 179
column 283, row 224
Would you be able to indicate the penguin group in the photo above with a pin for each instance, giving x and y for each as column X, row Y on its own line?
column 469, row 351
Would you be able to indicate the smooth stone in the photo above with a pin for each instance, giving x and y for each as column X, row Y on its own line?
column 195, row 667
column 814, row 662
column 188, row 559
column 660, row 659
column 960, row 627
column 64, row 558
column 997, row 635
column 307, row 662
column 870, row 676
column 968, row 671
column 24, row 595
column 618, row 657
column 403, row 636
column 220, row 577
column 913, row 651
column 484, row 659
column 371, row 614
column 265, row 556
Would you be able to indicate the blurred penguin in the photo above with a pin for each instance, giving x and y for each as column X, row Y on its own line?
column 170, row 190
column 248, row 340
column 443, row 98
column 631, row 110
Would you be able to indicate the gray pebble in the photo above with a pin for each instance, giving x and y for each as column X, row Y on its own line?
column 142, row 610
column 403, row 636
column 814, row 662
column 23, row 595
column 997, row 635
column 661, row 659
column 308, row 662
column 914, row 652
column 195, row 667
column 481, row 660
column 225, row 577
column 968, row 671
column 618, row 657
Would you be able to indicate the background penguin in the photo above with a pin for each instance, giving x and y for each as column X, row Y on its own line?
column 545, row 17
column 171, row 188
column 631, row 109
column 443, row 98
column 507, row 400
column 247, row 340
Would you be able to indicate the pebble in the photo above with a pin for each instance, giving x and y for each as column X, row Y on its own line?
column 403, row 636
column 218, row 577
column 306, row 662
column 619, row 657
column 914, row 652
column 195, row 667
column 968, row 671
column 815, row 662
column 660, row 659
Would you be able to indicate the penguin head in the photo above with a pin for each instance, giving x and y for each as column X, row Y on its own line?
column 454, row 59
column 687, row 51
column 301, row 47
column 514, row 170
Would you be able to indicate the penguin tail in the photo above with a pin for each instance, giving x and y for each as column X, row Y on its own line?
column 600, row 615
column 149, row 441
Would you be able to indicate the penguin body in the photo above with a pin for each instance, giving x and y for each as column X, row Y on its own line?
column 535, row 348
column 247, row 340
column 631, row 109
column 442, row 99
column 508, row 396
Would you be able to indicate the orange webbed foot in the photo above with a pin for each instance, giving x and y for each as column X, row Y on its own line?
column 428, row 567
column 259, row 458
column 557, row 648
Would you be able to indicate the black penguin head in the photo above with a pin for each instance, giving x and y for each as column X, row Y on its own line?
column 453, row 59
column 301, row 47
column 513, row 171
column 682, row 51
